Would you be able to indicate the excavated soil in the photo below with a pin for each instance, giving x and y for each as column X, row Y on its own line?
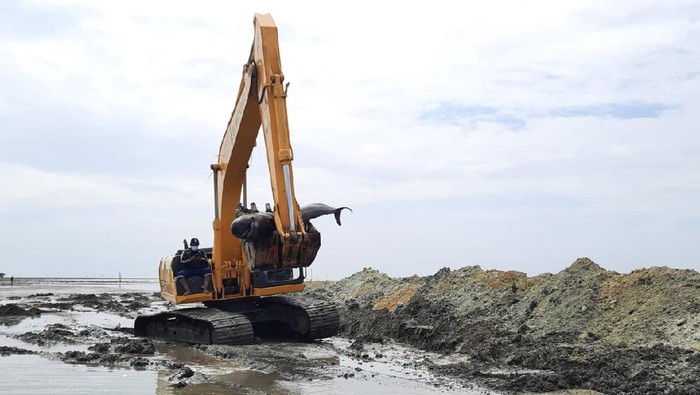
column 582, row 328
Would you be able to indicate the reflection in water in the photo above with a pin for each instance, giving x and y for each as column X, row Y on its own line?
column 74, row 319
column 32, row 374
column 385, row 376
column 236, row 382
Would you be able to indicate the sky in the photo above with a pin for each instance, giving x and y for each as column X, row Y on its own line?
column 507, row 134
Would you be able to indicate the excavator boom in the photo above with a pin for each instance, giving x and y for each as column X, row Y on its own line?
column 261, row 101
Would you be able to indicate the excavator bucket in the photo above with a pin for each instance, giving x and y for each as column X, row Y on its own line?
column 270, row 253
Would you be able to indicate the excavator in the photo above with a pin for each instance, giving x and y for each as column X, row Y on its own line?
column 257, row 257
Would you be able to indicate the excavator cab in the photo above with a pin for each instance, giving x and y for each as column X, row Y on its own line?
column 169, row 285
column 194, row 282
column 271, row 262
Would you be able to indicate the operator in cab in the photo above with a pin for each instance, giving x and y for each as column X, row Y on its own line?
column 194, row 263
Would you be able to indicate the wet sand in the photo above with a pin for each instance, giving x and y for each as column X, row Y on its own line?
column 75, row 336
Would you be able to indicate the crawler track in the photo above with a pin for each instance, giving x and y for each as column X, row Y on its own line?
column 315, row 320
column 197, row 325
column 239, row 322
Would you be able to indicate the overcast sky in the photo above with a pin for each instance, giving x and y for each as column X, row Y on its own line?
column 509, row 134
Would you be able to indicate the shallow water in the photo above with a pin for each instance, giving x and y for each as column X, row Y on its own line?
column 387, row 375
column 261, row 383
column 33, row 374
column 394, row 373
column 29, row 286
column 73, row 319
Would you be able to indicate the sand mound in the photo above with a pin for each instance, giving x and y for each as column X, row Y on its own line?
column 584, row 327
column 647, row 306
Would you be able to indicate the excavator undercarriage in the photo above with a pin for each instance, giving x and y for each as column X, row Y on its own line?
column 241, row 321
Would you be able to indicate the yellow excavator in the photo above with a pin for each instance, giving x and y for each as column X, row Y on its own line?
column 257, row 257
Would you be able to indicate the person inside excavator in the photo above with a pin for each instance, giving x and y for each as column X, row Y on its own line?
column 194, row 263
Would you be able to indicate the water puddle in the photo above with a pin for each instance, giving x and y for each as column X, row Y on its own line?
column 197, row 360
column 397, row 367
column 32, row 374
column 51, row 347
column 389, row 359
column 20, row 325
column 76, row 320
column 383, row 385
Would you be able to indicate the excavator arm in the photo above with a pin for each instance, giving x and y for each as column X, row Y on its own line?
column 261, row 101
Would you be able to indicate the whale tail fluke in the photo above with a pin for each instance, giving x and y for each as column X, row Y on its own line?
column 337, row 212
column 316, row 210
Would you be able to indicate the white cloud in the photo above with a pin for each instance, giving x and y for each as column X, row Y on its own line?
column 164, row 76
column 29, row 188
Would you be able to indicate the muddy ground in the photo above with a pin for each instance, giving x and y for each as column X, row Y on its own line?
column 584, row 330
column 42, row 331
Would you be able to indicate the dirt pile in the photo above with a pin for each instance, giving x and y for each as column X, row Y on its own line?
column 126, row 304
column 584, row 327
column 646, row 306
column 651, row 305
column 54, row 333
column 120, row 351
column 6, row 350
column 13, row 310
